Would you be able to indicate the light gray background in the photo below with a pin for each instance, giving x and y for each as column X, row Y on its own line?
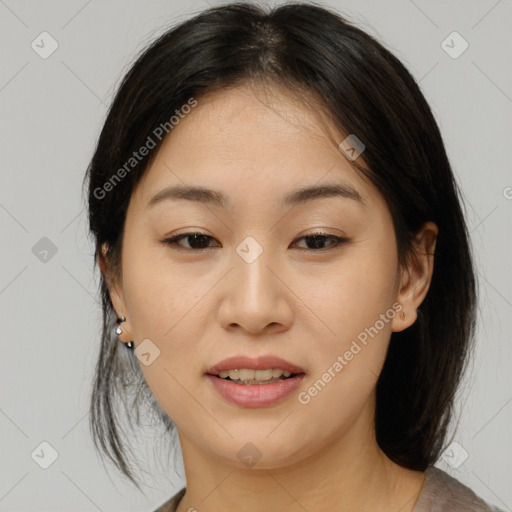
column 51, row 114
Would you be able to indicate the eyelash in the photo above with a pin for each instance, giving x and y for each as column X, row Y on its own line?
column 173, row 242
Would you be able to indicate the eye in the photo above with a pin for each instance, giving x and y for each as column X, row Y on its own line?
column 319, row 239
column 198, row 241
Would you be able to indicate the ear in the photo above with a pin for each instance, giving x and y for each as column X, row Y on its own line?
column 115, row 288
column 416, row 277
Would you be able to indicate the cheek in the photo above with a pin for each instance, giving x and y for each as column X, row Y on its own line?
column 160, row 296
column 355, row 305
column 164, row 305
column 346, row 364
column 351, row 295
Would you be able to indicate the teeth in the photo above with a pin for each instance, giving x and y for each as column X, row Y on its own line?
column 260, row 375
column 246, row 374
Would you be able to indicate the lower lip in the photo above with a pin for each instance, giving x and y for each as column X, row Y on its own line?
column 256, row 395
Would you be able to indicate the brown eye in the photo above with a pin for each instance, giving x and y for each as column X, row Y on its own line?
column 196, row 241
column 317, row 240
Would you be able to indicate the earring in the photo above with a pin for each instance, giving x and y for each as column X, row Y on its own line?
column 118, row 328
column 128, row 344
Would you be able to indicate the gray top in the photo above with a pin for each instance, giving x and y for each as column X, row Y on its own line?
column 440, row 493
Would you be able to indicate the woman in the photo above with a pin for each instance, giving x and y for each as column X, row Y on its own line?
column 267, row 198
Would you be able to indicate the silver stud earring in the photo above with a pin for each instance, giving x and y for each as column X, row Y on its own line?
column 128, row 344
column 118, row 328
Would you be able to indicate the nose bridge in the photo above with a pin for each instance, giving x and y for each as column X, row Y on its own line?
column 252, row 260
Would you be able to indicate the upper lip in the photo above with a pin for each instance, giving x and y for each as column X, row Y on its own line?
column 257, row 363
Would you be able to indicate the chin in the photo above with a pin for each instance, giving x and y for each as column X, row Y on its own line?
column 261, row 452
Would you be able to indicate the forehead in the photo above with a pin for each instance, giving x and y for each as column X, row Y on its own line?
column 252, row 142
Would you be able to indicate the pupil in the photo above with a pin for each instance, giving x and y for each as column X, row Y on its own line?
column 195, row 239
column 318, row 241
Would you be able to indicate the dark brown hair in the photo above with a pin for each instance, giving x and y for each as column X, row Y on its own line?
column 366, row 91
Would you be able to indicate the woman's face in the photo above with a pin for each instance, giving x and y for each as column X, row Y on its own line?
column 253, row 285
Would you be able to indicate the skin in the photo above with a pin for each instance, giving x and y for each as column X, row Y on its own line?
column 306, row 306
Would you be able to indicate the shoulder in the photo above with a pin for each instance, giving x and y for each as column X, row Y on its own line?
column 441, row 492
column 172, row 504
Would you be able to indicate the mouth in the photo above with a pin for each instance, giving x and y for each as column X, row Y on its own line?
column 261, row 370
column 261, row 381
column 247, row 376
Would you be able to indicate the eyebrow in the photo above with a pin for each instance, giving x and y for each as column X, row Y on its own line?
column 296, row 197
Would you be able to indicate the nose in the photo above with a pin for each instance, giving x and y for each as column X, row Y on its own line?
column 255, row 295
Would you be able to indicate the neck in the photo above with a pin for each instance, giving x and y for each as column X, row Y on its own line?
column 349, row 473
